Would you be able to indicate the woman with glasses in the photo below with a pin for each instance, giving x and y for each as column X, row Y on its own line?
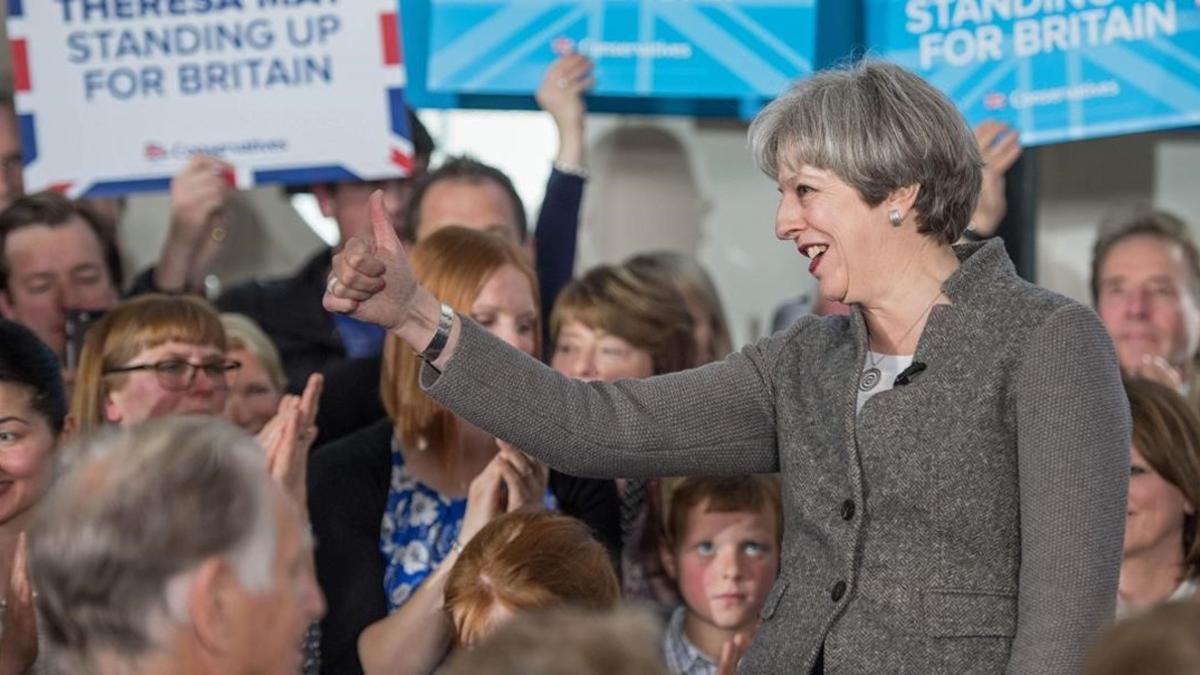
column 158, row 355
column 152, row 356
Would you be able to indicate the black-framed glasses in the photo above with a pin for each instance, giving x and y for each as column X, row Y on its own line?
column 177, row 375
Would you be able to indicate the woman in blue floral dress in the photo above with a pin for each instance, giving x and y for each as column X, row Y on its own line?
column 392, row 504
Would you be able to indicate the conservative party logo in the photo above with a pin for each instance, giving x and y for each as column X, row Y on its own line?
column 565, row 45
column 154, row 152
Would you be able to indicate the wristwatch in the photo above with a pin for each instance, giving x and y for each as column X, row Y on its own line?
column 441, row 337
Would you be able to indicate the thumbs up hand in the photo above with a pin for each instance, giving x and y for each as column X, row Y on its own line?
column 372, row 280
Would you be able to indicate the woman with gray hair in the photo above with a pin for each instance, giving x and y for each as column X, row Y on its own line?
column 954, row 453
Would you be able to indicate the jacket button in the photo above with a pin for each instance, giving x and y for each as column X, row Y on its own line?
column 839, row 589
column 848, row 509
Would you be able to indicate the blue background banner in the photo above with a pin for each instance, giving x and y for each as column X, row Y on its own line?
column 1057, row 70
column 661, row 52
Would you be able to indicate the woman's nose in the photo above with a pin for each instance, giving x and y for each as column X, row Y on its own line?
column 787, row 218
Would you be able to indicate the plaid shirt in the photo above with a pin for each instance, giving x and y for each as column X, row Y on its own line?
column 682, row 656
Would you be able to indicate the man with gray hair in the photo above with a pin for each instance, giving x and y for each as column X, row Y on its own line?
column 168, row 548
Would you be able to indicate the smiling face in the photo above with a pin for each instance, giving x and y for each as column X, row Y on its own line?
column 725, row 564
column 592, row 354
column 26, row 444
column 253, row 399
column 1146, row 301
column 1155, row 512
column 140, row 396
column 836, row 230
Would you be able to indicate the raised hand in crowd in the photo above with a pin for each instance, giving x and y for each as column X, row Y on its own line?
column 1157, row 369
column 199, row 194
column 19, row 640
column 1000, row 146
column 561, row 95
column 288, row 437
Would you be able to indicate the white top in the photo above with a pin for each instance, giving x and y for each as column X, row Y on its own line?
column 1186, row 589
column 888, row 365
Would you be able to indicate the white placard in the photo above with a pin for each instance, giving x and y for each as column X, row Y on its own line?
column 113, row 96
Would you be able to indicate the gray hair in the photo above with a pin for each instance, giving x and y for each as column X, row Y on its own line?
column 879, row 128
column 626, row 641
column 116, row 542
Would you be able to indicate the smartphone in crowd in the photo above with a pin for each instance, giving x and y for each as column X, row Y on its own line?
column 76, row 328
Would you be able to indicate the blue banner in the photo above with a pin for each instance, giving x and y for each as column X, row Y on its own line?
column 741, row 50
column 1056, row 70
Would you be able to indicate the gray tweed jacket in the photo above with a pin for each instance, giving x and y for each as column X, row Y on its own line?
column 969, row 522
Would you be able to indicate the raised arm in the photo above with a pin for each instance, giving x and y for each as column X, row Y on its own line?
column 717, row 419
column 1073, row 433
column 1000, row 146
column 561, row 95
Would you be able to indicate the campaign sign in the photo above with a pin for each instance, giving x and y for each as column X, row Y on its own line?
column 113, row 96
column 748, row 50
column 1057, row 70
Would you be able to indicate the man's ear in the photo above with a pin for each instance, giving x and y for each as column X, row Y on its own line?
column 667, row 555
column 213, row 604
column 1189, row 508
column 324, row 194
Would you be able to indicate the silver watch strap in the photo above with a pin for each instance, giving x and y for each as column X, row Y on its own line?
column 441, row 337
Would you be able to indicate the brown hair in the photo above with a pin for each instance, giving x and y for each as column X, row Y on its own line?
column 52, row 209
column 1163, row 641
column 136, row 325
column 1166, row 432
column 454, row 263
column 468, row 170
column 1142, row 221
column 720, row 494
column 690, row 278
column 528, row 560
column 647, row 313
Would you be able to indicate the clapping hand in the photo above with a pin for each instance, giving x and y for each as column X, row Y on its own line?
column 19, row 641
column 1157, row 369
column 731, row 653
column 289, row 435
column 511, row 481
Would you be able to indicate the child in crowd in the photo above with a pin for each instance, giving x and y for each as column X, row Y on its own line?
column 721, row 546
column 525, row 561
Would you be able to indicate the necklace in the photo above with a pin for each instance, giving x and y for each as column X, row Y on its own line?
column 871, row 376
